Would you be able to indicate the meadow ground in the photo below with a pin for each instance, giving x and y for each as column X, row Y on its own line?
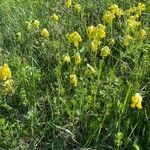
column 74, row 75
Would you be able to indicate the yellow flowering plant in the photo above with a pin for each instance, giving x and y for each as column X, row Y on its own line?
column 66, row 58
column 77, row 59
column 105, row 51
column 74, row 38
column 140, row 7
column 78, row 8
column 5, row 72
column 132, row 23
column 127, row 40
column 114, row 9
column 68, row 3
column 142, row 34
column 36, row 24
column 108, row 17
column 90, row 32
column 28, row 25
column 6, row 80
column 137, row 101
column 55, row 18
column 18, row 36
column 90, row 70
column 73, row 80
column 45, row 33
column 94, row 45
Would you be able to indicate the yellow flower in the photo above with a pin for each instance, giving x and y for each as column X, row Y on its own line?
column 115, row 10
column 94, row 45
column 36, row 23
column 96, row 33
column 90, row 31
column 55, row 17
column 68, row 3
column 130, row 11
column 78, row 8
column 66, row 58
column 77, row 59
column 140, row 7
column 18, row 36
column 137, row 101
column 75, row 38
column 99, row 32
column 5, row 72
column 132, row 23
column 105, row 51
column 111, row 41
column 28, row 25
column 90, row 70
column 45, row 33
column 108, row 17
column 7, row 87
column 73, row 80
column 142, row 34
column 127, row 40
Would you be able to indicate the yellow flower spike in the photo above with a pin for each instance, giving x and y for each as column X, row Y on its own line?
column 68, row 3
column 114, row 9
column 137, row 101
column 140, row 7
column 94, row 45
column 28, row 25
column 8, row 87
column 105, row 51
column 78, row 8
column 73, row 79
column 127, row 40
column 90, row 70
column 36, row 23
column 99, row 32
column 55, row 17
column 142, row 34
column 66, row 58
column 5, row 72
column 77, row 58
column 75, row 38
column 18, row 36
column 45, row 33
column 96, row 33
column 108, row 17
column 90, row 32
column 130, row 11
column 132, row 23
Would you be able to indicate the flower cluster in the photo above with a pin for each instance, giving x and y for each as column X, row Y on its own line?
column 73, row 80
column 55, row 18
column 133, row 24
column 75, row 38
column 68, row 3
column 95, row 34
column 6, row 80
column 112, row 12
column 78, row 8
column 45, row 33
column 36, row 24
column 137, row 101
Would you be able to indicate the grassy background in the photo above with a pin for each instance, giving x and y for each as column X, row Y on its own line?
column 46, row 112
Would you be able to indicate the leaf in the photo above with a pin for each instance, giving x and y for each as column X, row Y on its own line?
column 2, row 120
